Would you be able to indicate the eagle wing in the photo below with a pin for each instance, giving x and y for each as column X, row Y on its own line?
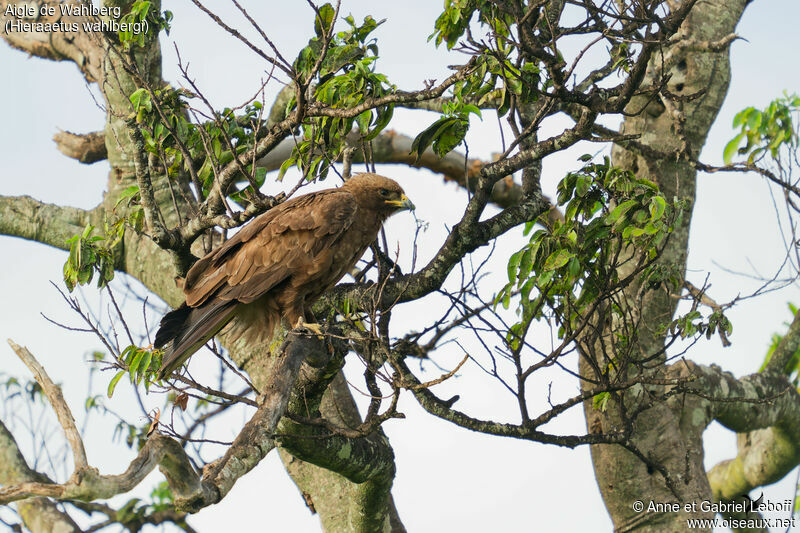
column 266, row 251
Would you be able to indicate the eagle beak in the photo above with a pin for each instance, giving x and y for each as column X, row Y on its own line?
column 402, row 203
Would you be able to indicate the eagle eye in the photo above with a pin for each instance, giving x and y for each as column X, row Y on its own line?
column 384, row 192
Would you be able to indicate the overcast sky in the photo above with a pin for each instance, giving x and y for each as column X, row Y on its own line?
column 448, row 479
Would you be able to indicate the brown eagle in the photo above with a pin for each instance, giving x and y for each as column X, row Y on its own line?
column 278, row 265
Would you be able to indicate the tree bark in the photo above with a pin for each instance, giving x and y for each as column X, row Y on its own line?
column 669, row 433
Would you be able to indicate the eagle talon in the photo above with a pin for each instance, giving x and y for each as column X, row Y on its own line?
column 314, row 328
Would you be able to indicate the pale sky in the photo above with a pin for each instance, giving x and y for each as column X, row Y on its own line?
column 448, row 479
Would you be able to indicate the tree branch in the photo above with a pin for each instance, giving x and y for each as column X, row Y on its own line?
column 257, row 437
column 395, row 98
column 88, row 484
column 25, row 217
column 165, row 238
column 347, row 452
column 191, row 492
column 40, row 515
column 443, row 409
column 391, row 147
column 364, row 506
column 768, row 426
column 55, row 37
column 87, row 148
column 57, row 402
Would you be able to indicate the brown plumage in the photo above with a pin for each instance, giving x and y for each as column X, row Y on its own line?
column 278, row 265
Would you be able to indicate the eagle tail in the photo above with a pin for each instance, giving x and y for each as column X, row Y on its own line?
column 189, row 328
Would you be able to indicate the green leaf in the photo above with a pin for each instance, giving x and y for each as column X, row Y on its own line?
column 449, row 137
column 657, row 207
column 558, row 259
column 731, row 147
column 384, row 116
column 140, row 99
column 324, row 20
column 363, row 120
column 619, row 211
column 134, row 365
column 574, row 267
column 114, row 381
column 582, row 185
column 526, row 264
column 469, row 108
column 640, row 216
column 513, row 265
column 425, row 138
column 544, row 278
column 600, row 401
column 285, row 166
column 127, row 194
column 144, row 365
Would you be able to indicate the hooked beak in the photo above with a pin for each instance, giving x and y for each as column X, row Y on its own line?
column 402, row 203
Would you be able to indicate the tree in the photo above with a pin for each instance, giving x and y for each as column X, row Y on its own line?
column 605, row 272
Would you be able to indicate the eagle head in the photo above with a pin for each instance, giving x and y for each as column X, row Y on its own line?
column 379, row 193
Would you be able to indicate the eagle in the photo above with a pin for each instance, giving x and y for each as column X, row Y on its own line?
column 277, row 265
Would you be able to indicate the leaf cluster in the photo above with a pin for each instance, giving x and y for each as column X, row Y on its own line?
column 92, row 254
column 448, row 131
column 139, row 364
column 495, row 81
column 457, row 16
column 500, row 78
column 692, row 323
column 345, row 78
column 143, row 15
column 764, row 130
column 610, row 217
column 167, row 131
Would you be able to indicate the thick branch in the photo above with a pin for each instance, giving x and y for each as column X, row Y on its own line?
column 391, row 147
column 39, row 515
column 342, row 504
column 357, row 457
column 55, row 37
column 256, row 439
column 25, row 217
column 152, row 216
column 765, row 410
column 87, row 148
column 88, row 484
column 191, row 492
